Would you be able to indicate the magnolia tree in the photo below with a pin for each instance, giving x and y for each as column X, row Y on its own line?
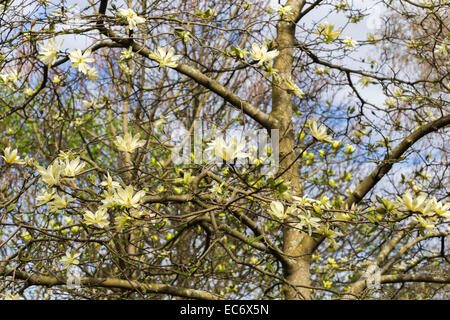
column 224, row 149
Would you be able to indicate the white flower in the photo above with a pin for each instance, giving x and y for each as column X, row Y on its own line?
column 46, row 196
column 51, row 175
column 10, row 296
column 277, row 210
column 29, row 91
column 126, row 69
column 425, row 223
column 442, row 209
column 433, row 206
column 284, row 10
column 92, row 74
column 58, row 203
column 304, row 201
column 391, row 102
column 56, row 79
column 73, row 167
column 90, row 103
column 320, row 133
column 216, row 188
column 349, row 149
column 70, row 258
column 293, row 88
column 321, row 70
column 132, row 18
column 11, row 156
column 262, row 54
column 327, row 32
column 129, row 143
column 81, row 60
column 342, row 5
column 165, row 58
column 441, row 50
column 126, row 54
column 109, row 201
column 349, row 42
column 109, row 183
column 415, row 205
column 308, row 221
column 336, row 144
column 121, row 221
column 365, row 81
column 186, row 180
column 99, row 218
column 10, row 77
column 227, row 151
column 126, row 197
column 49, row 52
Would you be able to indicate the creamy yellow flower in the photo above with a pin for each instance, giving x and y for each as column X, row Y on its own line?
column 109, row 183
column 46, row 196
column 11, row 156
column 127, row 198
column 165, row 58
column 342, row 5
column 51, row 175
column 391, row 102
column 227, row 151
column 326, row 30
column 126, row 54
column 349, row 149
column 126, row 69
column 109, row 201
column 49, row 52
column 441, row 50
column 132, row 18
column 365, row 81
column 293, row 88
column 425, row 223
column 92, row 74
column 73, row 167
column 319, row 133
column 435, row 207
column 336, row 144
column 58, row 203
column 70, row 258
column 10, row 78
column 10, row 296
column 277, row 210
column 81, row 60
column 284, row 10
column 56, row 79
column 262, row 54
column 349, row 42
column 129, row 143
column 413, row 204
column 306, row 220
column 99, row 218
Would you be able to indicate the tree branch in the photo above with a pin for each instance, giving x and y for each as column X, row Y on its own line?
column 430, row 278
column 111, row 283
column 259, row 116
column 380, row 171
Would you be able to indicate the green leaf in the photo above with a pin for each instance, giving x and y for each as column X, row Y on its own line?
column 269, row 267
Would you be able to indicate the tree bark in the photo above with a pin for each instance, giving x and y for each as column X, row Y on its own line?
column 296, row 244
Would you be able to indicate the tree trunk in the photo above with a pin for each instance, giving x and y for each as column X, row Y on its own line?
column 296, row 244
